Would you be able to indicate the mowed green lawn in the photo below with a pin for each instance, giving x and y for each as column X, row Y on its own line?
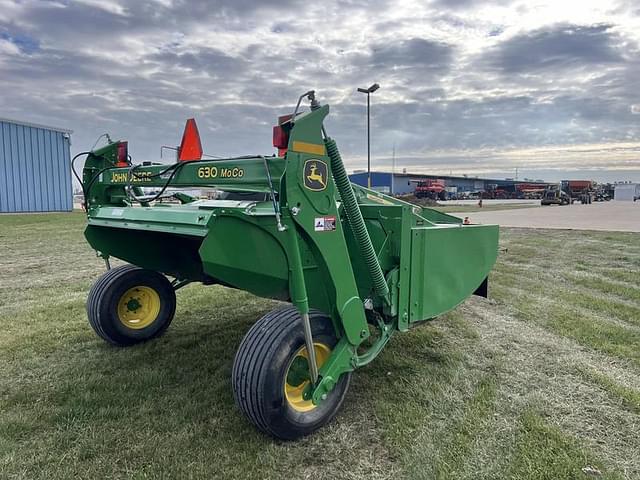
column 540, row 381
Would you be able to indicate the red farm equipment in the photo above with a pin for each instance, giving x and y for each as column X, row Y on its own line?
column 433, row 189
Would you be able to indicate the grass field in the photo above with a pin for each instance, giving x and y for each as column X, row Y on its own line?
column 539, row 382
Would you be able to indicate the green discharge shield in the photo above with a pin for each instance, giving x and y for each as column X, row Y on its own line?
column 447, row 266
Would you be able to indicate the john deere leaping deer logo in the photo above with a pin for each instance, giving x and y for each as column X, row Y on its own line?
column 315, row 175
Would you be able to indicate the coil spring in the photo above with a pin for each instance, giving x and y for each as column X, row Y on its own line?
column 354, row 216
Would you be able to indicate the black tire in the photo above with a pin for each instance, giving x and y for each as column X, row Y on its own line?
column 260, row 371
column 109, row 291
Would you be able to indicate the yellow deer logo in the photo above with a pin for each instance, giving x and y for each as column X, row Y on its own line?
column 315, row 175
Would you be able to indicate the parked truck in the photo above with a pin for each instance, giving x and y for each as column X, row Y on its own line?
column 579, row 190
column 554, row 195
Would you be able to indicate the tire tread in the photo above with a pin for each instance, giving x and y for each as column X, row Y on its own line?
column 252, row 361
column 96, row 300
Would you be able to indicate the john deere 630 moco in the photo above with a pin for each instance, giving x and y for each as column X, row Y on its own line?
column 355, row 266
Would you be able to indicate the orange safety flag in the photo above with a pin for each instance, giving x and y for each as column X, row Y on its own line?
column 190, row 147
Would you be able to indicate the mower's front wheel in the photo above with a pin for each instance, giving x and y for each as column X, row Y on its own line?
column 271, row 372
column 129, row 305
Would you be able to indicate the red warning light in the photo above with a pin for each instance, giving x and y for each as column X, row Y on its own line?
column 190, row 147
column 123, row 154
column 281, row 135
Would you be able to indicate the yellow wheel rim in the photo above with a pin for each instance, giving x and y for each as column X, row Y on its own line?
column 295, row 384
column 139, row 307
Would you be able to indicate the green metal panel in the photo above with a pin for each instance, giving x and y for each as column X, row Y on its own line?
column 383, row 223
column 408, row 220
column 448, row 263
column 317, row 201
column 245, row 255
column 170, row 253
column 434, row 216
column 106, row 183
column 186, row 220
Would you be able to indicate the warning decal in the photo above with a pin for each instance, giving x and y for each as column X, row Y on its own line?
column 324, row 224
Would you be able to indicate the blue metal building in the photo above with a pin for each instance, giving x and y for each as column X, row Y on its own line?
column 404, row 183
column 35, row 167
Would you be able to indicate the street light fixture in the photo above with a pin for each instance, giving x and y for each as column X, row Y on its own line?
column 369, row 91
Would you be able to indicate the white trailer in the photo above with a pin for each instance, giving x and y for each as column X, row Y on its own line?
column 628, row 192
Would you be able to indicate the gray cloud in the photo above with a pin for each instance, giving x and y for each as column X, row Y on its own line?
column 416, row 53
column 466, row 4
column 209, row 60
column 138, row 69
column 559, row 46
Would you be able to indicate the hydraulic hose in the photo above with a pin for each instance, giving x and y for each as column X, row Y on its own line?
column 354, row 216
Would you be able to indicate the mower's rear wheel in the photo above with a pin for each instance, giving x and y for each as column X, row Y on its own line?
column 129, row 305
column 270, row 373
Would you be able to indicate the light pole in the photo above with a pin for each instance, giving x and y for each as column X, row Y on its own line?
column 393, row 169
column 369, row 91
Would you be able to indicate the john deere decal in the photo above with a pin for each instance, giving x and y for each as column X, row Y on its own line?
column 315, row 175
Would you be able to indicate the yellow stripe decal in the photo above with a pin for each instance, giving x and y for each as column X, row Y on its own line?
column 305, row 147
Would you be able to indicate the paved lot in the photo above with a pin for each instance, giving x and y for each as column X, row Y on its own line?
column 492, row 202
column 610, row 216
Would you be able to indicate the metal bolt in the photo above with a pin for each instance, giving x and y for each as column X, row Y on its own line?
column 363, row 333
column 324, row 396
column 295, row 211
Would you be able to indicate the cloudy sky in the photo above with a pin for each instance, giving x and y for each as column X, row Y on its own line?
column 467, row 86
